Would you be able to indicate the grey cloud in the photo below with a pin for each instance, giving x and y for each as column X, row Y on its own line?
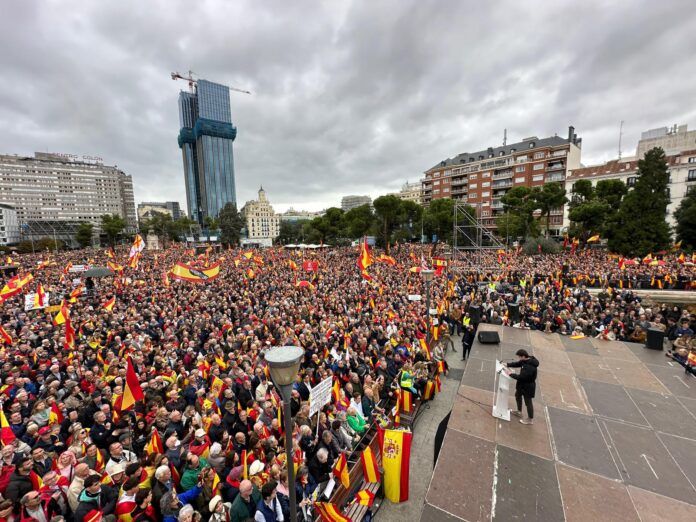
column 349, row 97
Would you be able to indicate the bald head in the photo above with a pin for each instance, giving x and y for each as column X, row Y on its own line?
column 82, row 470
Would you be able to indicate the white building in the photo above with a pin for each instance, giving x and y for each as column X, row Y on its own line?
column 9, row 225
column 291, row 215
column 673, row 140
column 64, row 188
column 350, row 202
column 411, row 192
column 262, row 223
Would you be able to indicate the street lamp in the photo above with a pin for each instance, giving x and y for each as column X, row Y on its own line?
column 284, row 363
column 427, row 276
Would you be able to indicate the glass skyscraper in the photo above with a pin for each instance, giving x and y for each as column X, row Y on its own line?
column 205, row 138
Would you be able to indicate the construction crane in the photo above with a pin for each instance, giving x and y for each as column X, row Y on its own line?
column 191, row 82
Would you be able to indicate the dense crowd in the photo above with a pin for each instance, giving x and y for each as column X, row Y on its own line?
column 206, row 441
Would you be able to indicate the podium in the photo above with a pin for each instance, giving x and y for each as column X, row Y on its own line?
column 502, row 393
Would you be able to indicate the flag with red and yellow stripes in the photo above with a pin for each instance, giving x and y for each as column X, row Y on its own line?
column 396, row 456
column 330, row 513
column 154, row 445
column 340, row 470
column 369, row 465
column 365, row 497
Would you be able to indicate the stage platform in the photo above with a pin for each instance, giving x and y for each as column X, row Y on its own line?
column 614, row 437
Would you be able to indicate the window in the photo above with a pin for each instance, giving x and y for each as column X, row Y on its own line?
column 486, row 213
column 692, row 159
column 473, row 176
column 538, row 166
column 437, row 182
column 486, row 175
column 485, row 194
column 485, row 184
column 445, row 189
column 436, row 175
column 501, row 153
column 521, row 159
column 538, row 177
column 436, row 191
column 531, row 144
column 692, row 175
column 539, row 155
column 630, row 182
column 519, row 169
column 473, row 186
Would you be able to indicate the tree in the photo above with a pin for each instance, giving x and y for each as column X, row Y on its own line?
column 84, row 234
column 290, row 232
column 510, row 226
column 612, row 191
column 112, row 225
column 587, row 218
column 521, row 202
column 358, row 221
column 210, row 223
column 640, row 226
column 231, row 224
column 550, row 197
column 582, row 191
column 438, row 219
column 388, row 210
column 685, row 215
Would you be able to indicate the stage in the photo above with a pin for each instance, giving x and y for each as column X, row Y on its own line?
column 614, row 437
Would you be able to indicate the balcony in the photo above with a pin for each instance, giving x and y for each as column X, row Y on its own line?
column 559, row 165
column 555, row 177
column 503, row 174
column 502, row 184
column 458, row 182
column 459, row 190
column 496, row 204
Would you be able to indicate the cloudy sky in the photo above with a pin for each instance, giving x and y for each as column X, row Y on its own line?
column 349, row 97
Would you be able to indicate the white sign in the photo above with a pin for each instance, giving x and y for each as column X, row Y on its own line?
column 29, row 303
column 320, row 396
column 502, row 393
column 79, row 268
column 414, row 297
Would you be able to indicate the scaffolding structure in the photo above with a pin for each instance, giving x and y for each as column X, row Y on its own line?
column 470, row 234
column 58, row 230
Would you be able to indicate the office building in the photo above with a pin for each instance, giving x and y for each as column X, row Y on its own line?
column 147, row 210
column 9, row 225
column 482, row 178
column 53, row 193
column 262, row 223
column 682, row 178
column 206, row 136
column 411, row 192
column 349, row 202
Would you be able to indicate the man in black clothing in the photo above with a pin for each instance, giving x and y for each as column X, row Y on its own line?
column 526, row 383
column 468, row 341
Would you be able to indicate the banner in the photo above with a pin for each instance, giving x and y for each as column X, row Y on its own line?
column 320, row 396
column 396, row 458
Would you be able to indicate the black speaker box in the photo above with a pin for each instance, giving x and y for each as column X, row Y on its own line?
column 514, row 312
column 489, row 338
column 475, row 314
column 654, row 339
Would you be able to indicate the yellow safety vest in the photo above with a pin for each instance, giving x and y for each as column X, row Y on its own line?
column 406, row 380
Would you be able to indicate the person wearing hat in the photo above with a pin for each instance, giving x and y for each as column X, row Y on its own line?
column 219, row 510
column 200, row 443
column 230, row 488
column 95, row 498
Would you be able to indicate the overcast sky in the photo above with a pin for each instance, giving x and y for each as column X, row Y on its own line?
column 348, row 97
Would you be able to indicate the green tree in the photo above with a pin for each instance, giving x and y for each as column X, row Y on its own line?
column 438, row 219
column 290, row 232
column 358, row 221
column 521, row 202
column 84, row 234
column 685, row 215
column 640, row 226
column 588, row 217
column 510, row 226
column 112, row 225
column 411, row 217
column 611, row 191
column 231, row 224
column 551, row 196
column 582, row 191
column 388, row 210
column 210, row 223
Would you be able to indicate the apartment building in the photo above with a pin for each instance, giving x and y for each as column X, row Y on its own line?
column 482, row 178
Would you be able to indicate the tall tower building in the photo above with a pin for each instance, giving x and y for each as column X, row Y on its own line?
column 205, row 137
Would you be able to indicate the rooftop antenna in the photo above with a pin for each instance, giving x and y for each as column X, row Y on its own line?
column 620, row 136
column 504, row 137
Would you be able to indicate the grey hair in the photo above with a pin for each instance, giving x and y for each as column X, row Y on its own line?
column 161, row 471
column 323, row 452
column 186, row 511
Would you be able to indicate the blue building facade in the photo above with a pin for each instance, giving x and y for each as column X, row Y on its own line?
column 206, row 136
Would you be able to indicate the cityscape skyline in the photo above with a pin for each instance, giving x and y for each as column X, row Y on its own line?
column 342, row 103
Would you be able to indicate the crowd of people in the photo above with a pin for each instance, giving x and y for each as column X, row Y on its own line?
column 206, row 440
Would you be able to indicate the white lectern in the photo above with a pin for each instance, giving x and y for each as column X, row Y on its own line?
column 502, row 393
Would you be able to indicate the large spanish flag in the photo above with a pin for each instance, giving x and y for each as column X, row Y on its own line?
column 396, row 458
column 132, row 392
column 154, row 445
column 15, row 285
column 186, row 273
column 330, row 513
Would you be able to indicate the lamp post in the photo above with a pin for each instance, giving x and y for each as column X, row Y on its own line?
column 284, row 363
column 427, row 276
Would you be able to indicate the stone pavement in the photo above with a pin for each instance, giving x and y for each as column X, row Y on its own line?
column 423, row 443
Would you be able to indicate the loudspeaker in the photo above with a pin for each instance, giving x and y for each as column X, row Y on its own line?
column 514, row 312
column 655, row 339
column 475, row 314
column 489, row 338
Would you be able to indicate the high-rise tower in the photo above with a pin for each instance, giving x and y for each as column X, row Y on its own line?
column 205, row 137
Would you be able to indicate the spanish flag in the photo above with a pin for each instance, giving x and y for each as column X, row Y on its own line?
column 396, row 457
column 187, row 273
column 369, row 465
column 292, row 264
column 132, row 392
column 387, row 259
column 6, row 434
column 40, row 298
column 154, row 445
column 330, row 513
column 99, row 464
column 115, row 267
column 340, row 470
column 593, row 239
column 55, row 415
column 62, row 315
column 336, row 391
column 406, row 401
column 429, row 392
column 424, row 346
column 365, row 497
column 109, row 305
column 15, row 285
column 365, row 258
column 5, row 337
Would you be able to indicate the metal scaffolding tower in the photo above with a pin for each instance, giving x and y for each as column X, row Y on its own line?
column 470, row 234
